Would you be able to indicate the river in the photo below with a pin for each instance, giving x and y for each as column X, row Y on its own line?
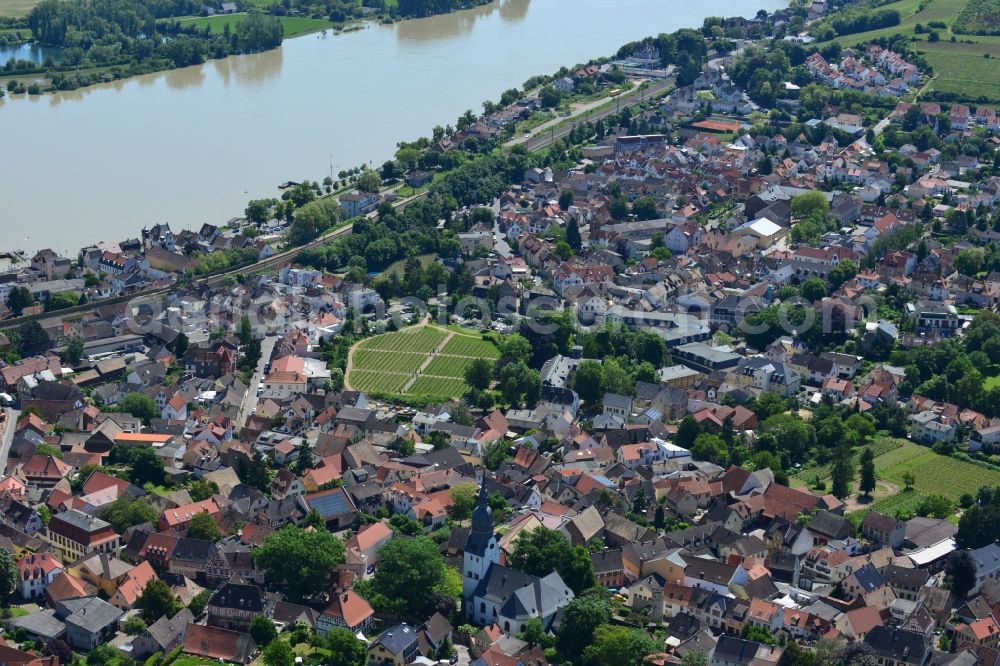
column 192, row 145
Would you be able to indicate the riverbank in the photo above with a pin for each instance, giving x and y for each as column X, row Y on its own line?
column 193, row 145
column 119, row 49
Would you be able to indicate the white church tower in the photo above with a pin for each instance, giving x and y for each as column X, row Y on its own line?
column 481, row 549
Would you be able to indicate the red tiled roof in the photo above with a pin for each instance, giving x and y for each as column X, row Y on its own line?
column 350, row 608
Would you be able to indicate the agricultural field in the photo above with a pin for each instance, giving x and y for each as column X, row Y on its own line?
column 881, row 448
column 426, row 361
column 934, row 474
column 293, row 25
column 960, row 67
column 17, row 7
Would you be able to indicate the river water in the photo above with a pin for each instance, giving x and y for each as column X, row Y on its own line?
column 192, row 145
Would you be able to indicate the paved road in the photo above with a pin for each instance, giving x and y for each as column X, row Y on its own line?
column 250, row 398
column 7, row 436
column 625, row 100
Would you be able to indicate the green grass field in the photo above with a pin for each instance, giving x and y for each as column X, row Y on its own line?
column 417, row 362
column 17, row 7
column 934, row 474
column 294, row 25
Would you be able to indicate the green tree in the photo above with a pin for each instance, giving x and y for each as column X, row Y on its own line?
column 463, row 497
column 810, row 203
column 203, row 527
column 842, row 473
column 494, row 454
column 139, row 405
column 8, row 577
column 573, row 235
column 710, row 447
column 687, row 432
column 258, row 211
column 615, row 378
column 345, row 648
column 542, row 550
column 908, row 480
column 19, row 298
column 980, row 524
column 644, row 208
column 409, row 570
column 33, row 338
column 278, row 653
column 961, row 573
column 147, row 466
column 752, row 632
column 134, row 626
column 694, row 658
column 439, row 439
column 937, row 506
column 478, row 373
column 532, row 632
column 867, row 484
column 256, row 473
column 587, row 381
column 74, row 351
column 563, row 250
column 244, row 330
column 263, row 631
column 813, row 289
column 311, row 220
column 126, row 512
column 302, row 559
column 157, row 601
column 580, row 619
column 180, row 345
column 369, row 181
column 970, row 261
column 202, row 489
column 515, row 348
column 199, row 602
column 519, row 384
column 619, row 645
column 565, row 199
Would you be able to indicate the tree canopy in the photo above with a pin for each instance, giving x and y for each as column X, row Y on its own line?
column 409, row 570
column 542, row 551
column 301, row 559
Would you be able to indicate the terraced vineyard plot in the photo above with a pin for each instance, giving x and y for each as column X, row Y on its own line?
column 447, row 366
column 434, row 386
column 422, row 362
column 391, row 361
column 942, row 475
column 881, row 449
column 423, row 340
column 465, row 346
column 378, row 381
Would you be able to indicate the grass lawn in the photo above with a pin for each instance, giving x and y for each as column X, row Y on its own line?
column 398, row 267
column 420, row 361
column 294, row 25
